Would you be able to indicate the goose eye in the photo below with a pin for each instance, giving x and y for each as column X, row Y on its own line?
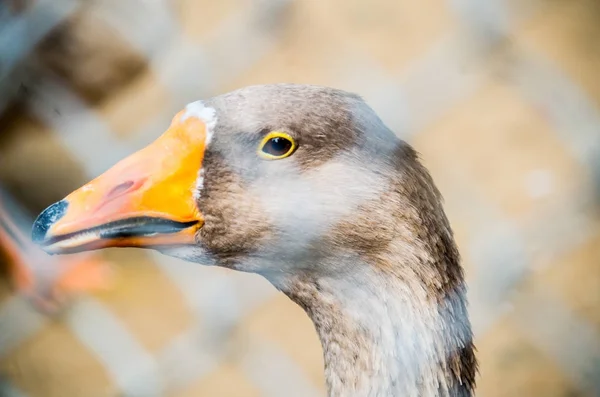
column 277, row 145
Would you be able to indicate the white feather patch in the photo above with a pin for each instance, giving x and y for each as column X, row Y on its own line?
column 205, row 113
column 199, row 184
column 208, row 116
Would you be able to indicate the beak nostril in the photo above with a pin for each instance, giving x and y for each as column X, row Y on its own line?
column 120, row 189
column 47, row 218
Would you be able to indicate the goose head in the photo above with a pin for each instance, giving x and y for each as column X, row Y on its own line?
column 306, row 186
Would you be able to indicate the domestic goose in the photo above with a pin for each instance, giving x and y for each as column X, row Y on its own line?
column 307, row 187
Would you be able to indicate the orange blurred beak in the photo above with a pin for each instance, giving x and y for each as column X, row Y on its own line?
column 146, row 200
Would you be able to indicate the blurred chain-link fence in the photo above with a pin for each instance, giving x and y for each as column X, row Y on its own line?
column 501, row 97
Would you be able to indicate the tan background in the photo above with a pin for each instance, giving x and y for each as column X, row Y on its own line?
column 501, row 97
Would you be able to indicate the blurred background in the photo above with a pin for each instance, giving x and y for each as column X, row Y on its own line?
column 501, row 97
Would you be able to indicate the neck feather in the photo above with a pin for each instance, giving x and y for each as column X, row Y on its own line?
column 387, row 336
column 386, row 292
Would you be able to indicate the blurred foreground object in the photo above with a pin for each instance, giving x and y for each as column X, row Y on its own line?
column 48, row 281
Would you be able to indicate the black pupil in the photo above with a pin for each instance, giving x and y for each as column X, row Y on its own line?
column 277, row 146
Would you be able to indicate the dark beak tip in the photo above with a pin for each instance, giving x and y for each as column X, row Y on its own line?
column 46, row 219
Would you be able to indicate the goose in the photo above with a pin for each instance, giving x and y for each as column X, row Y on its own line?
column 306, row 186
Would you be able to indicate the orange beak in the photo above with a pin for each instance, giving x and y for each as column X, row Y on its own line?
column 146, row 200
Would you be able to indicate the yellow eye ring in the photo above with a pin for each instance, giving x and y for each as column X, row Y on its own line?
column 276, row 145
